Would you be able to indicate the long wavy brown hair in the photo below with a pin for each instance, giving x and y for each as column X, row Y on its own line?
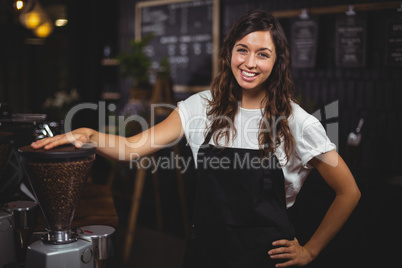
column 226, row 92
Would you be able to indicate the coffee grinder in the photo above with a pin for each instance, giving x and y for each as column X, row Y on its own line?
column 57, row 177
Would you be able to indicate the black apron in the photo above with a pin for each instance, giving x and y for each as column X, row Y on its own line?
column 240, row 209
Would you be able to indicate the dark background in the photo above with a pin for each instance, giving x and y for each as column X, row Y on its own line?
column 70, row 58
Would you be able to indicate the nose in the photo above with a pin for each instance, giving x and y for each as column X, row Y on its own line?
column 250, row 61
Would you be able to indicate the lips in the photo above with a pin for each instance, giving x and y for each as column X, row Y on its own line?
column 248, row 76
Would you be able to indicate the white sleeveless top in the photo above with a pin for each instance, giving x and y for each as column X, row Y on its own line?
column 310, row 137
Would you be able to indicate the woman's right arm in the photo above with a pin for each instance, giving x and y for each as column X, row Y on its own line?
column 147, row 142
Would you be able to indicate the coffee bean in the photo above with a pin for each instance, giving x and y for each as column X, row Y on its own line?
column 58, row 186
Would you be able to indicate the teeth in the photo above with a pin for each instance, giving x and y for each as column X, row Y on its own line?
column 248, row 74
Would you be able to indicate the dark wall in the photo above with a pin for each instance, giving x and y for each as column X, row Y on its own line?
column 370, row 92
column 93, row 26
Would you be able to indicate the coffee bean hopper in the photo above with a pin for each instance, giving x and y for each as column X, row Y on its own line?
column 57, row 177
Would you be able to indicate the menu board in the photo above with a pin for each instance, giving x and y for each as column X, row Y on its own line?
column 393, row 46
column 304, row 34
column 350, row 50
column 187, row 34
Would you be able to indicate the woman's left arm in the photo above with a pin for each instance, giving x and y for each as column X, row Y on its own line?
column 338, row 176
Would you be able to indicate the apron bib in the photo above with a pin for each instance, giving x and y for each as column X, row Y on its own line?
column 240, row 209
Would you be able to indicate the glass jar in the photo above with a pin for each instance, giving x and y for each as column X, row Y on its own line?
column 58, row 177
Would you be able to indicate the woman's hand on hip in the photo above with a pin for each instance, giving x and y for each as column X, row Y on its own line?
column 292, row 252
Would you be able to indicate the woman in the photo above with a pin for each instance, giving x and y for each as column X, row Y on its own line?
column 253, row 147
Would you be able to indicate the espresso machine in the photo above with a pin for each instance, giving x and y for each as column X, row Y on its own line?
column 7, row 251
column 17, row 218
column 57, row 177
column 17, row 223
column 17, row 228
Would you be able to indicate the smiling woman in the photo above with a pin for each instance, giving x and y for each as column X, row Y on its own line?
column 253, row 59
column 255, row 72
column 240, row 214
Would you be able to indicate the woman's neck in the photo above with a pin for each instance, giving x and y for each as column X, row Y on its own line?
column 252, row 100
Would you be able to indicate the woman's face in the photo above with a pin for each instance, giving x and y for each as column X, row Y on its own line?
column 253, row 58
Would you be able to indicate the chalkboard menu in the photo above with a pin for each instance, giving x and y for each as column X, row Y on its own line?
column 187, row 34
column 394, row 42
column 304, row 34
column 350, row 50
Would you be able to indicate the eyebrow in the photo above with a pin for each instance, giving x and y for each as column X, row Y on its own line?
column 261, row 49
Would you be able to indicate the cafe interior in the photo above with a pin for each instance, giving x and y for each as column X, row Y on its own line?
column 105, row 64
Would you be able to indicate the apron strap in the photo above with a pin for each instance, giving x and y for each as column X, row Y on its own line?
column 207, row 138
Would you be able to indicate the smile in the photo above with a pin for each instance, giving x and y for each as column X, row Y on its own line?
column 248, row 76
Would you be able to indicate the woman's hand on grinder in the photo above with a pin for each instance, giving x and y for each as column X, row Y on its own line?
column 77, row 137
column 292, row 252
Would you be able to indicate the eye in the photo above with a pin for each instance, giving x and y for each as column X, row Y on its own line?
column 241, row 50
column 264, row 55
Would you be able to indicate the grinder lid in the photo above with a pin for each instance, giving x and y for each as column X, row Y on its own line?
column 63, row 151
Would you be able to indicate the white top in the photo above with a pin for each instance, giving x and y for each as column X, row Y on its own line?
column 310, row 137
